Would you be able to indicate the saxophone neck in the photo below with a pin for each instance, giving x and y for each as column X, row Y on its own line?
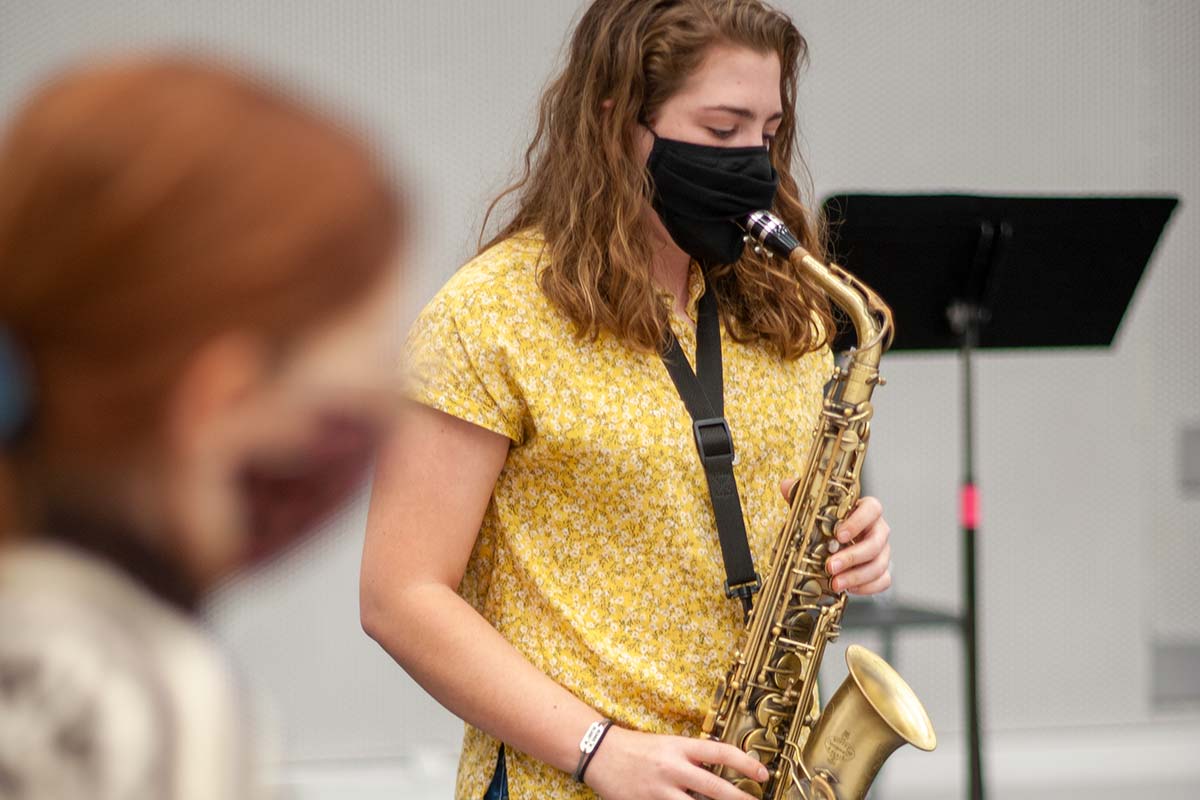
column 871, row 317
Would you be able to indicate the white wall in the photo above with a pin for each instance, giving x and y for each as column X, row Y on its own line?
column 1088, row 548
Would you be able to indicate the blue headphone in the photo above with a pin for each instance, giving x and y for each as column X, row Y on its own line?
column 16, row 389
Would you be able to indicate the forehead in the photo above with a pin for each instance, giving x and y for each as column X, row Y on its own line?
column 733, row 75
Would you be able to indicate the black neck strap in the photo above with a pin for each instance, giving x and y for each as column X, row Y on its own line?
column 703, row 392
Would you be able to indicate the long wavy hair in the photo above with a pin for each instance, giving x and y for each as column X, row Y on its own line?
column 585, row 188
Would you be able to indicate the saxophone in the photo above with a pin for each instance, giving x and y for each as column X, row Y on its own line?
column 767, row 704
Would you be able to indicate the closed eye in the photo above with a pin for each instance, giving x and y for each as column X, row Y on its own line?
column 721, row 134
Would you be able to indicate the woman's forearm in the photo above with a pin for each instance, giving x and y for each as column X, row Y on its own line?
column 464, row 663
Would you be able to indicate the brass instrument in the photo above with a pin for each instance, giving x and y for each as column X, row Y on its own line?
column 767, row 702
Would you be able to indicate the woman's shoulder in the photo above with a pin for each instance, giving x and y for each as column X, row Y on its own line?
column 471, row 350
column 505, row 273
column 494, row 300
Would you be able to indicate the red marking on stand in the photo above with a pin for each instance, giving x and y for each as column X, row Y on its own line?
column 969, row 506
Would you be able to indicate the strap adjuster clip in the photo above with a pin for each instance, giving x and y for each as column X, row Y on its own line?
column 744, row 590
column 713, row 447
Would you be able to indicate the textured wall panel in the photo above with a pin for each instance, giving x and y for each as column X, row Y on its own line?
column 1088, row 545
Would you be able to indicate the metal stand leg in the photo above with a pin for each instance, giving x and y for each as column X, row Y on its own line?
column 966, row 319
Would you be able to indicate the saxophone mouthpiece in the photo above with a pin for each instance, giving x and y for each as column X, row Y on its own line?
column 771, row 232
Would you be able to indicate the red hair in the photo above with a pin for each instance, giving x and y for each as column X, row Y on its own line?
column 150, row 205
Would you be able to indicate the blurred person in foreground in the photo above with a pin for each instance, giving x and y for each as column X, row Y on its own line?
column 195, row 274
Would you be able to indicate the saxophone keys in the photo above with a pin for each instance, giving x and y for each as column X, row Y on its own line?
column 710, row 722
column 822, row 789
column 761, row 745
column 771, row 709
column 818, row 788
column 787, row 669
column 825, row 524
column 752, row 788
column 847, row 505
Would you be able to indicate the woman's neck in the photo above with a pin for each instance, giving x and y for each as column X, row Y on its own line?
column 670, row 269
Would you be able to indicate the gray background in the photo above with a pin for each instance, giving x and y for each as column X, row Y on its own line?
column 1088, row 545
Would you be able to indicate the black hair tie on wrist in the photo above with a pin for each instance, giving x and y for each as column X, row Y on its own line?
column 588, row 747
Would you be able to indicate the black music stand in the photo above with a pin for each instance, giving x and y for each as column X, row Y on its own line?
column 963, row 272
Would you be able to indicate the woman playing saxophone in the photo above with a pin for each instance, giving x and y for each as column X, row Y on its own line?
column 542, row 553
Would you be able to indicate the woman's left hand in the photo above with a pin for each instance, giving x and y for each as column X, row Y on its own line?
column 862, row 565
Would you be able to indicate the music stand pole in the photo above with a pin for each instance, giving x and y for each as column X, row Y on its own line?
column 966, row 319
column 967, row 316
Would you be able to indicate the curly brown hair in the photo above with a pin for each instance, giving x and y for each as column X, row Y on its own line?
column 584, row 188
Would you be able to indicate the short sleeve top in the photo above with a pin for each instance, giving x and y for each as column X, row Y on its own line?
column 598, row 556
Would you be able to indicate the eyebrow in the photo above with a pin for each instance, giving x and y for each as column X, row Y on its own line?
column 744, row 113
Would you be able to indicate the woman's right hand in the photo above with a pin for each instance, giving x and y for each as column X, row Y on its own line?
column 642, row 766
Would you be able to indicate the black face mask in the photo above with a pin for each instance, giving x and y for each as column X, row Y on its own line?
column 700, row 190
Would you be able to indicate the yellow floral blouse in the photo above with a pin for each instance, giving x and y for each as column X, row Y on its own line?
column 598, row 557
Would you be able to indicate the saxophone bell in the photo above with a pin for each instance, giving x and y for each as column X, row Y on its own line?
column 871, row 714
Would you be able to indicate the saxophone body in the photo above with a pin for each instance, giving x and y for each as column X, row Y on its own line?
column 767, row 703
